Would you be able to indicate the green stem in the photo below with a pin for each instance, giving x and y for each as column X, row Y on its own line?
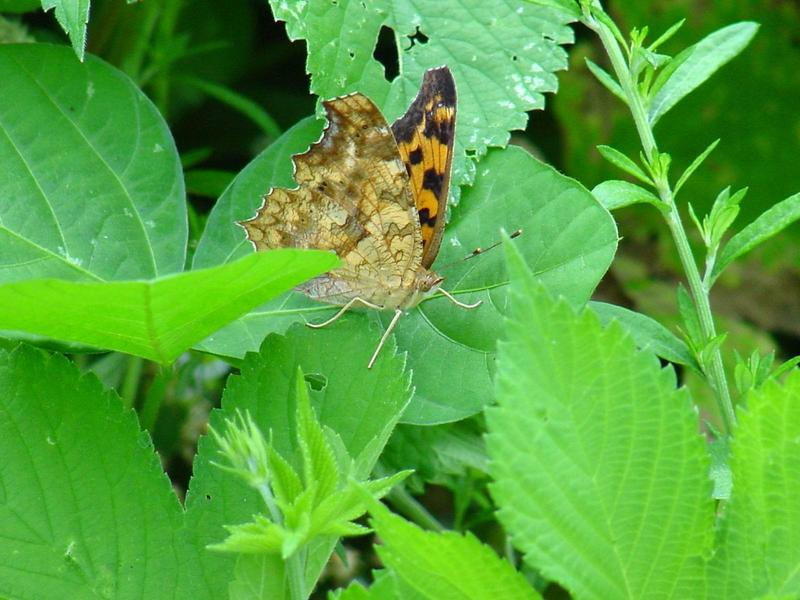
column 716, row 372
column 130, row 385
column 294, row 563
column 408, row 506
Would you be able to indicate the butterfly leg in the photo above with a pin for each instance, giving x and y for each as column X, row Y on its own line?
column 457, row 303
column 343, row 310
column 395, row 318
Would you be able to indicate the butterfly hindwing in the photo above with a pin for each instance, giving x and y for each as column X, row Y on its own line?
column 352, row 197
column 425, row 136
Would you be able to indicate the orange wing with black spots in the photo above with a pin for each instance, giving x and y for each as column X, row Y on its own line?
column 425, row 136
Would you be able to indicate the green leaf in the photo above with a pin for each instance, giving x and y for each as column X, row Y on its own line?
column 319, row 463
column 757, row 554
column 503, row 56
column 607, row 80
column 101, row 195
column 257, row 577
column 445, row 565
column 600, row 474
column 568, row 236
column 667, row 35
column 647, row 333
column 72, row 15
column 697, row 63
column 86, row 509
column 618, row 159
column 693, row 167
column 361, row 405
column 616, row 194
column 157, row 319
column 773, row 220
column 598, row 12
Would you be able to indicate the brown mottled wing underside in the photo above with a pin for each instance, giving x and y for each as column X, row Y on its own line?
column 425, row 136
column 353, row 198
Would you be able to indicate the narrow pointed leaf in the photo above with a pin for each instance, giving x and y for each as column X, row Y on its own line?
column 693, row 167
column 616, row 194
column 698, row 63
column 666, row 35
column 600, row 473
column 607, row 80
column 618, row 159
column 770, row 222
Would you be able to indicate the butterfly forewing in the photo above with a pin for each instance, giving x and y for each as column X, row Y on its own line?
column 425, row 136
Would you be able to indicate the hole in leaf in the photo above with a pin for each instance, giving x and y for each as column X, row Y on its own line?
column 418, row 38
column 317, row 381
column 386, row 53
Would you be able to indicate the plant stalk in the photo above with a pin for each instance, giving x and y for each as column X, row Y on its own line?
column 699, row 291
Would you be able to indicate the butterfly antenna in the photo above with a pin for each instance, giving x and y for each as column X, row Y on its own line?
column 479, row 251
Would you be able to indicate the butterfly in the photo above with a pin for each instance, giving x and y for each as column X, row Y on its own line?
column 374, row 194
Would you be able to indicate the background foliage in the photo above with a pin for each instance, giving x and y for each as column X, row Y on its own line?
column 121, row 179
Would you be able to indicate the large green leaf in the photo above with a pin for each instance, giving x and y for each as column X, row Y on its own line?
column 157, row 319
column 503, row 55
column 361, row 406
column 85, row 508
column 91, row 181
column 600, row 473
column 758, row 554
column 567, row 235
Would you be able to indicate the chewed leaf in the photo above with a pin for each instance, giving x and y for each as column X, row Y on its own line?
column 503, row 54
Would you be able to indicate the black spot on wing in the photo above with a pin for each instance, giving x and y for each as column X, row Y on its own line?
column 425, row 218
column 415, row 156
column 432, row 180
column 441, row 130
